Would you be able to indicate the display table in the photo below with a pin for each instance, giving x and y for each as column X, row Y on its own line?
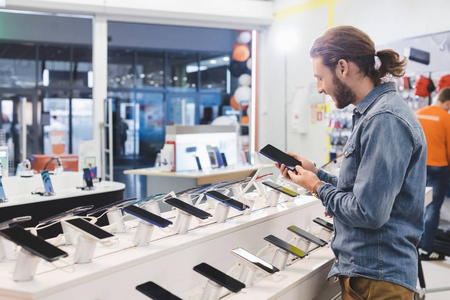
column 22, row 203
column 169, row 258
column 163, row 182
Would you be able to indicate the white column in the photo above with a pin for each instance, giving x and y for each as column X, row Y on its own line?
column 100, row 70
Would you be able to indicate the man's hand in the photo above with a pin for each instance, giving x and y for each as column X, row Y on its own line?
column 306, row 165
column 304, row 178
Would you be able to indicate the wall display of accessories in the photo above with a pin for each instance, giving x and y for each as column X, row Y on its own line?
column 339, row 128
column 199, row 215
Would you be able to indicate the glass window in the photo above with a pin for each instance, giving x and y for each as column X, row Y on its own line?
column 120, row 68
column 213, row 70
column 56, row 134
column 151, row 122
column 54, row 65
column 182, row 71
column 82, row 122
column 82, row 67
column 17, row 65
column 181, row 109
column 150, row 69
column 209, row 107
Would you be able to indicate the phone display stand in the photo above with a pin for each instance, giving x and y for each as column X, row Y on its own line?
column 115, row 217
column 260, row 188
column 325, row 234
column 85, row 249
column 212, row 291
column 236, row 190
column 303, row 244
column 279, row 259
column 247, row 275
column 143, row 234
column 249, row 199
column 272, row 199
column 48, row 194
column 221, row 212
column 286, row 198
column 182, row 222
column 153, row 207
column 7, row 249
column 69, row 234
column 26, row 266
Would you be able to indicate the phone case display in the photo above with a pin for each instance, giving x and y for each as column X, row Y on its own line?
column 338, row 129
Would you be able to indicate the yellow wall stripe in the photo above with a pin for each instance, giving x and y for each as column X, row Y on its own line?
column 305, row 6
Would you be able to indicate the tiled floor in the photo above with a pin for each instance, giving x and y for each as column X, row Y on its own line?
column 437, row 275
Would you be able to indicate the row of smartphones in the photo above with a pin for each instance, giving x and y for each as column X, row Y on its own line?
column 156, row 292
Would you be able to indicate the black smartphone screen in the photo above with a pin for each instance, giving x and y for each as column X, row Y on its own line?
column 147, row 216
column 309, row 236
column 280, row 188
column 285, row 246
column 224, row 159
column 91, row 229
column 120, row 203
column 47, row 182
column 227, row 200
column 70, row 212
column 255, row 260
column 87, row 177
column 32, row 243
column 279, row 156
column 196, row 212
column 155, row 291
column 219, row 277
column 324, row 223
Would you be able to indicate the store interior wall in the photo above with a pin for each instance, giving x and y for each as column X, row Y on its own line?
column 384, row 21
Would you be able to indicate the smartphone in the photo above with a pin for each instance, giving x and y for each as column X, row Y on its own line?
column 255, row 260
column 146, row 216
column 2, row 192
column 117, row 204
column 227, row 200
column 190, row 209
column 87, row 176
column 67, row 213
column 284, row 245
column 213, row 158
column 92, row 230
column 34, row 244
column 155, row 291
column 47, row 183
column 280, row 188
column 324, row 223
column 199, row 164
column 306, row 235
column 279, row 156
column 224, row 159
column 5, row 224
column 219, row 277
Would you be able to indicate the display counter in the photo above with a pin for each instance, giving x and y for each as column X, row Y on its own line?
column 162, row 182
column 168, row 260
column 21, row 201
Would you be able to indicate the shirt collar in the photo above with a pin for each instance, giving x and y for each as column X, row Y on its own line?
column 373, row 95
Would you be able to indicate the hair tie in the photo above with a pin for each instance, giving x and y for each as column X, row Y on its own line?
column 377, row 63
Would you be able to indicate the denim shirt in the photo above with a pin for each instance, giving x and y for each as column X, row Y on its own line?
column 378, row 200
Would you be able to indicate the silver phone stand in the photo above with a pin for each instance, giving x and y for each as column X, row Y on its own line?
column 26, row 266
column 279, row 259
column 143, row 234
column 212, row 291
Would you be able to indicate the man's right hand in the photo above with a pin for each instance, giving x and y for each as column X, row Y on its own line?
column 306, row 164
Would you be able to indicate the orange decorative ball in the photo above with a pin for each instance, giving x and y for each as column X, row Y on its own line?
column 241, row 53
column 234, row 104
column 244, row 120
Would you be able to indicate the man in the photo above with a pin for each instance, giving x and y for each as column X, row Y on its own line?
column 435, row 121
column 378, row 200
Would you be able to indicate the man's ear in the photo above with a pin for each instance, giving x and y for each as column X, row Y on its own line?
column 342, row 67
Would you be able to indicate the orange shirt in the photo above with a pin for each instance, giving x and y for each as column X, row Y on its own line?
column 436, row 125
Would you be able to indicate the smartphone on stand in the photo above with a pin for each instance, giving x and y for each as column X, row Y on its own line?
column 285, row 246
column 34, row 244
column 155, row 291
column 254, row 260
column 48, row 186
column 280, row 188
column 190, row 209
column 146, row 216
column 227, row 200
column 91, row 230
column 219, row 277
column 306, row 235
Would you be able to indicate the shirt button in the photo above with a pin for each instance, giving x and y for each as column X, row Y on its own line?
column 337, row 260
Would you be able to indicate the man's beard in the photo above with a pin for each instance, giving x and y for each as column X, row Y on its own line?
column 343, row 95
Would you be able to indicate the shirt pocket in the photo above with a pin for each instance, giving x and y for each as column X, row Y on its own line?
column 347, row 174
